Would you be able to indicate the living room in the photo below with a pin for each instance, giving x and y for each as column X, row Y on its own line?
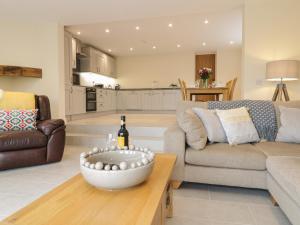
column 147, row 47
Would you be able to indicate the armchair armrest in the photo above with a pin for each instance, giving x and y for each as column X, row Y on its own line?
column 48, row 126
column 174, row 142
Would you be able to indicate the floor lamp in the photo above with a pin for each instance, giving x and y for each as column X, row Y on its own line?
column 282, row 70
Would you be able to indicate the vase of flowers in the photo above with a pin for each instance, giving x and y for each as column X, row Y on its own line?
column 204, row 74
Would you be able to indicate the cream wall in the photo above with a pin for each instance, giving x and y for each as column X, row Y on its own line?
column 34, row 45
column 141, row 71
column 228, row 67
column 271, row 32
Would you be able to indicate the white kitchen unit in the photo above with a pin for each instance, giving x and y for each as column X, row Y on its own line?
column 106, row 100
column 77, row 100
column 148, row 99
column 170, row 99
column 98, row 62
column 68, row 58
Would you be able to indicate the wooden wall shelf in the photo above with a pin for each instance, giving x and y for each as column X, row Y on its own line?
column 18, row 71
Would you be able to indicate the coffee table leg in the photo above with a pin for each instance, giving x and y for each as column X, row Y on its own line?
column 169, row 201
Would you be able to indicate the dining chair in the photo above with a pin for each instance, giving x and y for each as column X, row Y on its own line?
column 231, row 85
column 182, row 85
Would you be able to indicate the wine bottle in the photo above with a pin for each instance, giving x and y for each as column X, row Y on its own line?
column 123, row 134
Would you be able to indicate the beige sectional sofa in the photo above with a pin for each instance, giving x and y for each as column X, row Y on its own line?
column 272, row 166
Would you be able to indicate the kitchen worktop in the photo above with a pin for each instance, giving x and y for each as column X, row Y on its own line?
column 133, row 89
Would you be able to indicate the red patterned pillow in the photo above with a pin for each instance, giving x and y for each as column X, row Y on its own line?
column 18, row 120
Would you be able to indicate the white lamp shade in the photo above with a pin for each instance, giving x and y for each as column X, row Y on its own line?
column 283, row 70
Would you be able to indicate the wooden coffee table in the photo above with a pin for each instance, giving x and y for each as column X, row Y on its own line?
column 76, row 202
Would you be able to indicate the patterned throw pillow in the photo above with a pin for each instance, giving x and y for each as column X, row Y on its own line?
column 18, row 120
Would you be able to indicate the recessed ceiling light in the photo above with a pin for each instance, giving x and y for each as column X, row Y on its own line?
column 131, row 49
column 154, row 47
column 107, row 30
column 231, row 42
column 78, row 33
column 170, row 25
column 109, row 50
column 137, row 28
column 204, row 43
column 206, row 21
column 178, row 45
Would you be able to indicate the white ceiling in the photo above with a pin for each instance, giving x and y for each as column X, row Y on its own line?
column 153, row 16
column 189, row 31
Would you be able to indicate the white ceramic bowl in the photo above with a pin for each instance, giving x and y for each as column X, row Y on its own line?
column 119, row 179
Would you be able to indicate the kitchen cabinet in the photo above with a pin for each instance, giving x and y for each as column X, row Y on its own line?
column 68, row 100
column 129, row 100
column 68, row 58
column 170, row 99
column 73, row 55
column 77, row 100
column 98, row 62
column 106, row 100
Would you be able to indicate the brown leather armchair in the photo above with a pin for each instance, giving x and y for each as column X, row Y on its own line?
column 29, row 148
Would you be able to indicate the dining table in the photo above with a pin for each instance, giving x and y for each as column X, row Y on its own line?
column 216, row 91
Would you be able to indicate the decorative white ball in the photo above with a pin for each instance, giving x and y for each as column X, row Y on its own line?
column 101, row 150
column 83, row 161
column 145, row 161
column 95, row 150
column 92, row 166
column 99, row 166
column 139, row 163
column 119, row 148
column 107, row 167
column 137, row 148
column 106, row 149
column 132, row 165
column 123, row 165
column 125, row 148
column 131, row 147
column 87, row 164
column 146, row 149
column 83, row 155
column 126, row 152
column 90, row 153
column 113, row 148
column 115, row 167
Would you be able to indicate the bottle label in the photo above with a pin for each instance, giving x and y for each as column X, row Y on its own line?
column 121, row 142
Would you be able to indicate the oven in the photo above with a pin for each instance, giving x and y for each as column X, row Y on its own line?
column 91, row 99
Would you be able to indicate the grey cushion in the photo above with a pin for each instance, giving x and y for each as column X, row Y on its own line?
column 223, row 155
column 290, row 125
column 290, row 104
column 286, row 171
column 196, row 136
column 279, row 148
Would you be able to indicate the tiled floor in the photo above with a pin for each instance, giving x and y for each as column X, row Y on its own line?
column 194, row 204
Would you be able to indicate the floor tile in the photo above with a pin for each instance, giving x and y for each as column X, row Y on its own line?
column 242, row 195
column 193, row 190
column 176, row 220
column 230, row 212
column 268, row 215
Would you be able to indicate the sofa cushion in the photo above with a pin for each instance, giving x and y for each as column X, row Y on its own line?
column 286, row 171
column 20, row 140
column 223, row 155
column 196, row 136
column 279, row 148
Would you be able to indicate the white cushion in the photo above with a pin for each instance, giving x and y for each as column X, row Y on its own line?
column 290, row 125
column 212, row 124
column 238, row 126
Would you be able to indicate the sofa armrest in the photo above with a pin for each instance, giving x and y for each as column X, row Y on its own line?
column 174, row 142
column 48, row 126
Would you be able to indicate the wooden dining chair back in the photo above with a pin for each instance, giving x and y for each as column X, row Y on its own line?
column 182, row 85
column 231, row 85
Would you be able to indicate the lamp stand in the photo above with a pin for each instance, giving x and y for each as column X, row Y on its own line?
column 281, row 89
